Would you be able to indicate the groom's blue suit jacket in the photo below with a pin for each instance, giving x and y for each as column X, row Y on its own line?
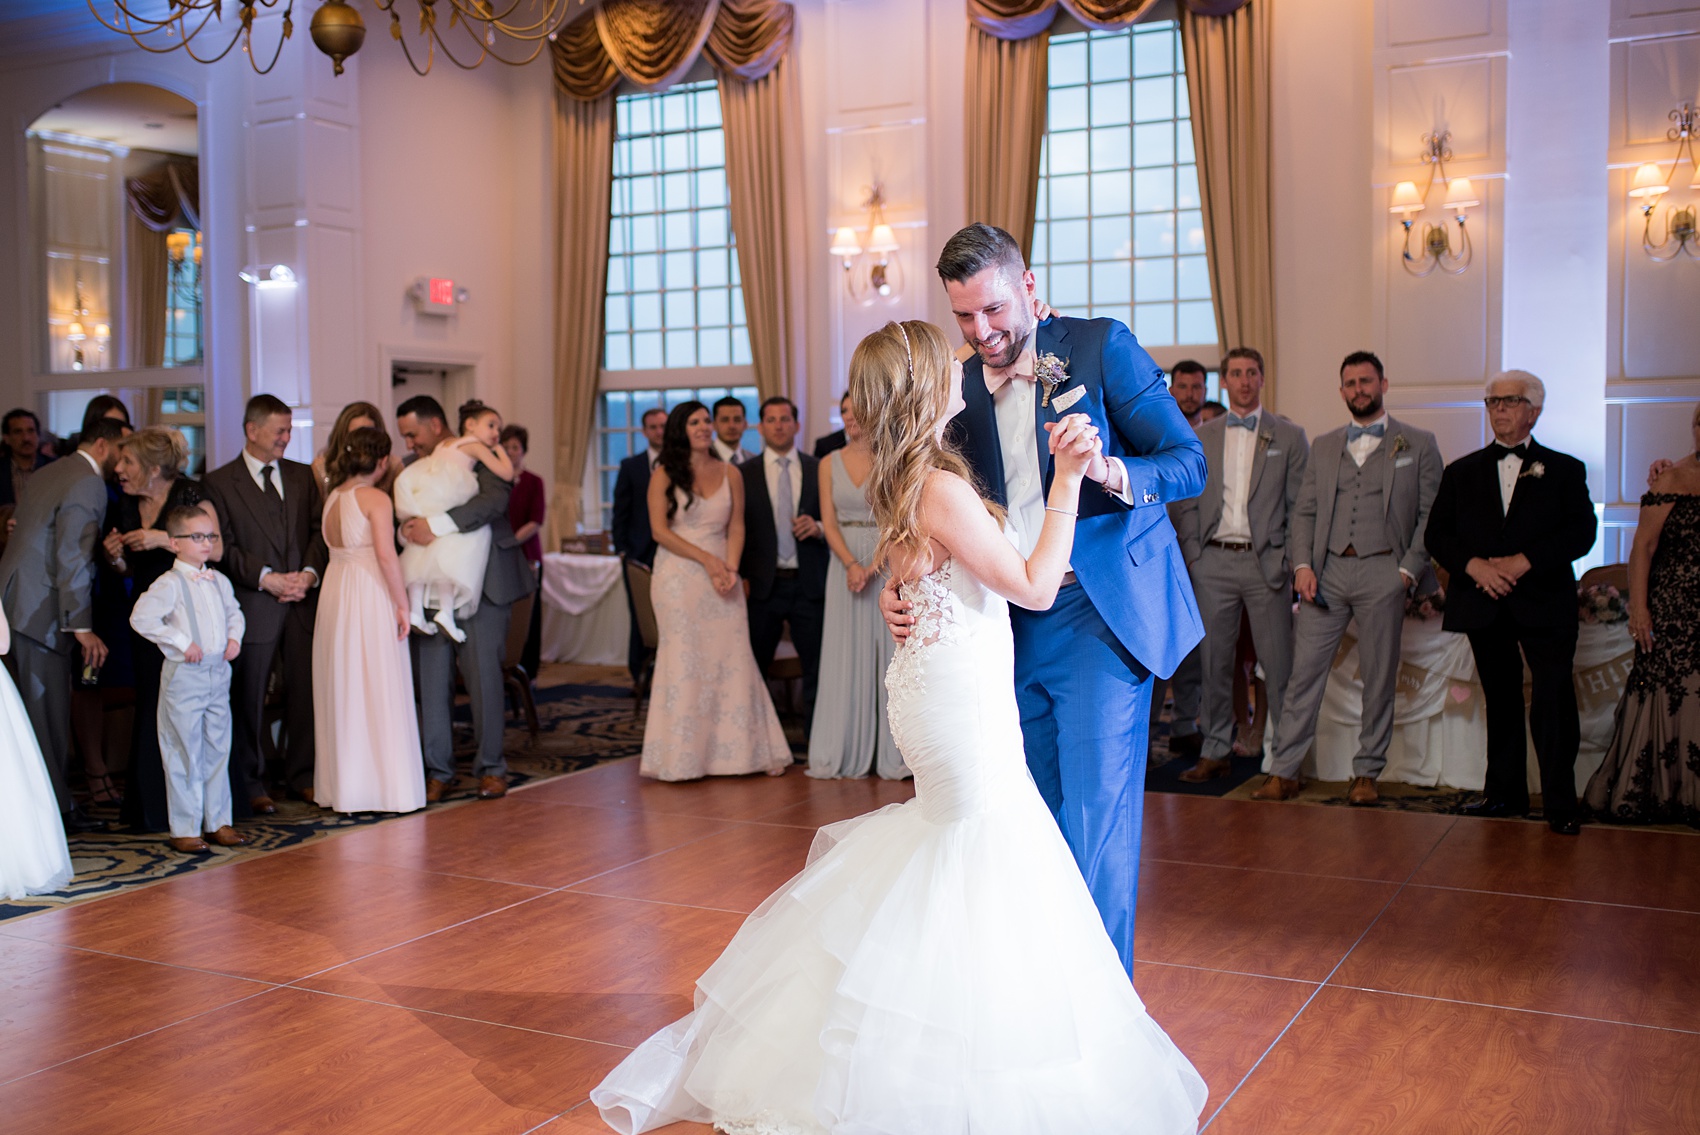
column 1127, row 558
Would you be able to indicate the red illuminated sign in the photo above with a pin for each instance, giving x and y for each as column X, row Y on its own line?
column 442, row 292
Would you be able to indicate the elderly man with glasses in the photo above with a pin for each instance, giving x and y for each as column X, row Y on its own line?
column 1507, row 523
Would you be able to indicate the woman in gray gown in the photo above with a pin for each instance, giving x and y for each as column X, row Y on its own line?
column 850, row 735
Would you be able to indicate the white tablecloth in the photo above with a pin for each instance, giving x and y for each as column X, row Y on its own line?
column 584, row 610
column 1439, row 718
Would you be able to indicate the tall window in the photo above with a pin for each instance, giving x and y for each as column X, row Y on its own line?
column 1119, row 232
column 183, row 298
column 621, row 426
column 674, row 298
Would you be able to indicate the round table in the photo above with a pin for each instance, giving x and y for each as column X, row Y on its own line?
column 584, row 610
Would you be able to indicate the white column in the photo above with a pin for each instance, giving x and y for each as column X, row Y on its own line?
column 1556, row 232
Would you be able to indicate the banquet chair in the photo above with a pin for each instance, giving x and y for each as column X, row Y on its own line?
column 514, row 676
column 637, row 585
column 1610, row 575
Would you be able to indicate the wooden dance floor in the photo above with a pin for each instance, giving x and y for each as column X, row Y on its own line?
column 479, row 968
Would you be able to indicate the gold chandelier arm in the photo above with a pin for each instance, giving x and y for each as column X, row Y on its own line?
column 1408, row 260
column 1465, row 252
column 1662, row 251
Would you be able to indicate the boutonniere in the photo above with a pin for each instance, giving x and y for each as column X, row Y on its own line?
column 1051, row 372
column 1400, row 445
column 1264, row 441
column 1535, row 469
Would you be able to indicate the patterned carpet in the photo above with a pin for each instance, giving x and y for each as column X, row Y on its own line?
column 585, row 718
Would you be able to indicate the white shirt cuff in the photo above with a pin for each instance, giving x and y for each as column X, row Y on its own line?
column 1126, row 493
column 441, row 525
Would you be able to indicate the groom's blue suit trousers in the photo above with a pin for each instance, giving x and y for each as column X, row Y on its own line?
column 1085, row 708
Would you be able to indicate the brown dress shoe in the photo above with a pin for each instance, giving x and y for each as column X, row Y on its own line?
column 187, row 843
column 1278, row 788
column 492, row 787
column 1362, row 791
column 434, row 790
column 1207, row 768
column 227, row 836
column 263, row 806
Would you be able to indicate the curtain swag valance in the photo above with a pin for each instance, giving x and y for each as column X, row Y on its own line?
column 653, row 43
column 170, row 190
column 1023, row 19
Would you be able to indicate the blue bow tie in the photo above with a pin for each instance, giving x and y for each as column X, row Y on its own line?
column 1249, row 422
column 1355, row 431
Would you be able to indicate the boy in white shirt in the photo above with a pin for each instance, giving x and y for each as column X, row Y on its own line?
column 192, row 614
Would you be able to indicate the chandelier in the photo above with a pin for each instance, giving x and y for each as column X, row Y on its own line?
column 1436, row 250
column 509, row 31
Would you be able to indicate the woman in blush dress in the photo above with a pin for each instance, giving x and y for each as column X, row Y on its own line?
column 34, row 858
column 709, row 710
column 365, row 733
column 850, row 735
column 354, row 416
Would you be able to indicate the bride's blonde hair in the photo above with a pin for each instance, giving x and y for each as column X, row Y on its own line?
column 899, row 391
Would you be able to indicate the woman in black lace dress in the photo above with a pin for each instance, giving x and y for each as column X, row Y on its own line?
column 1651, row 773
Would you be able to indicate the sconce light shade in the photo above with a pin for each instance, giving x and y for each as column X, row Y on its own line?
column 1406, row 199
column 844, row 243
column 882, row 239
column 1649, row 181
column 102, row 331
column 75, row 332
column 1460, row 194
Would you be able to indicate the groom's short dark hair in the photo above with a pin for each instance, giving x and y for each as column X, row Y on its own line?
column 976, row 248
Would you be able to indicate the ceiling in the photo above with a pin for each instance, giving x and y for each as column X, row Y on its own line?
column 130, row 114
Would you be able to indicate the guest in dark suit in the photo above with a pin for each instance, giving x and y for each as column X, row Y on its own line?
column 633, row 538
column 1506, row 524
column 785, row 553
column 21, row 431
column 729, row 430
column 269, row 511
column 507, row 579
column 47, row 588
column 837, row 439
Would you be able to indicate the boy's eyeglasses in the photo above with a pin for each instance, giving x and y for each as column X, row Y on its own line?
column 198, row 537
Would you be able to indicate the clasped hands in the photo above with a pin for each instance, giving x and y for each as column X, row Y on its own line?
column 232, row 647
column 287, row 586
column 1497, row 575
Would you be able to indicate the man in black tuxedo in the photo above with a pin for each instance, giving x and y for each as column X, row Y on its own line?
column 785, row 552
column 269, row 512
column 633, row 538
column 1506, row 524
column 837, row 439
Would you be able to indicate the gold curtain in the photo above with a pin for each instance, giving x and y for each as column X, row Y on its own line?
column 584, row 169
column 146, row 287
column 654, row 42
column 764, row 176
column 1005, row 127
column 1227, row 66
column 1019, row 19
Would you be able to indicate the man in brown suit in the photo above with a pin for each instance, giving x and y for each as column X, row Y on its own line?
column 268, row 509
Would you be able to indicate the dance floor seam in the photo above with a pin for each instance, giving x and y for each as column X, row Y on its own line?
column 503, row 1017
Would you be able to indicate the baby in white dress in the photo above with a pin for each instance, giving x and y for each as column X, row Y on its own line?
column 448, row 573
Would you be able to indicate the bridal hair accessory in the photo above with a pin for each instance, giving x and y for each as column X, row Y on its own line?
column 908, row 354
column 1051, row 372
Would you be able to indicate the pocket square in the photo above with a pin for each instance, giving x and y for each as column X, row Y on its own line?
column 1272, row 452
column 1402, row 462
column 1065, row 400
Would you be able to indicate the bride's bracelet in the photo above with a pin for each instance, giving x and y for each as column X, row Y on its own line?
column 1063, row 511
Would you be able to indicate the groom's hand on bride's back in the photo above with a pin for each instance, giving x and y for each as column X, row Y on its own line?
column 896, row 610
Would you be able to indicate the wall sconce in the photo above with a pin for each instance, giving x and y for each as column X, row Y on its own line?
column 1436, row 251
column 880, row 277
column 1650, row 184
column 77, row 334
column 268, row 275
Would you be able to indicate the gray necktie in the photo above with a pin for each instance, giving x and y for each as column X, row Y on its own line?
column 787, row 538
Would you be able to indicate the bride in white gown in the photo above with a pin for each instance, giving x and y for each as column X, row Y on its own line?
column 34, row 858
column 939, row 967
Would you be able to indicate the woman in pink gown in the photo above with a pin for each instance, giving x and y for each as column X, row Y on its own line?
column 709, row 710
column 364, row 728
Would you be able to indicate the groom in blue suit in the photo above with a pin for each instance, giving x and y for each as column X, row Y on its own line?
column 1083, row 669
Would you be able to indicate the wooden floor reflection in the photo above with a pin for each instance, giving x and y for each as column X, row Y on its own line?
column 479, row 969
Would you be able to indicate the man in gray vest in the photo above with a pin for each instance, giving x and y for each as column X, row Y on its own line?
column 1357, row 537
column 1234, row 537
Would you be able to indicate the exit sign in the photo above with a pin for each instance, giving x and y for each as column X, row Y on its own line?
column 442, row 292
column 436, row 295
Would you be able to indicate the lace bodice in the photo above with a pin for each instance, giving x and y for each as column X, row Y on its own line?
column 704, row 521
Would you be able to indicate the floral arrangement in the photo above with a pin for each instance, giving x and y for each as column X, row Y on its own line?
column 1425, row 607
column 1602, row 604
column 1051, row 372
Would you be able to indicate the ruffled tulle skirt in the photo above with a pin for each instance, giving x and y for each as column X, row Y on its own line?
column 918, row 978
column 34, row 858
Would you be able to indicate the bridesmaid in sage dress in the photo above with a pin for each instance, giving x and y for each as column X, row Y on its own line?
column 850, row 735
column 1651, row 772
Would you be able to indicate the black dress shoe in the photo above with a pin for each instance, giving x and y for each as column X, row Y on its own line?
column 1571, row 826
column 1493, row 809
column 78, row 822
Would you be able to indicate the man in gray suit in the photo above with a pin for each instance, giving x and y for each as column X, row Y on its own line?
column 1187, row 385
column 1234, row 537
column 507, row 578
column 1358, row 537
column 47, row 587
